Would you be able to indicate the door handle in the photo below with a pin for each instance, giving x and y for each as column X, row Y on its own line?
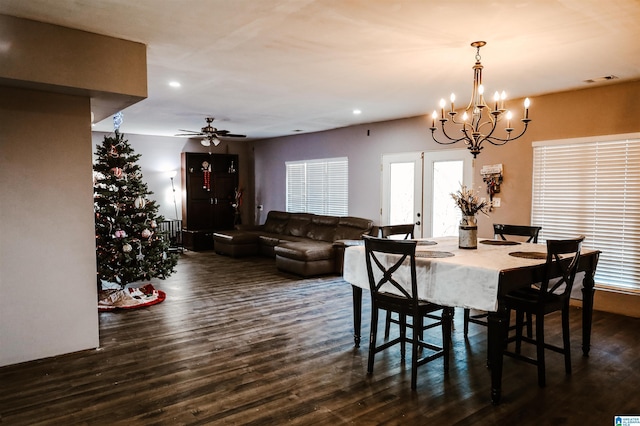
column 418, row 223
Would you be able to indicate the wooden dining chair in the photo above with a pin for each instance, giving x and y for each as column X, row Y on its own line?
column 531, row 232
column 404, row 232
column 553, row 295
column 530, row 235
column 389, row 293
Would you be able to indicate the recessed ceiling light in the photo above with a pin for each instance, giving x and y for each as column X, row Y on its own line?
column 174, row 84
column 357, row 112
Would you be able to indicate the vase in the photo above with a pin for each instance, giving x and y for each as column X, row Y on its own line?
column 468, row 233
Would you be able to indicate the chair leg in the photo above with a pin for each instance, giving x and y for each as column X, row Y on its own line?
column 529, row 325
column 519, row 326
column 447, row 321
column 403, row 334
column 387, row 325
column 414, row 357
column 540, row 350
column 372, row 339
column 467, row 312
column 566, row 340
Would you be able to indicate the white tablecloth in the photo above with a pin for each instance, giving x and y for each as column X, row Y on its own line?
column 468, row 279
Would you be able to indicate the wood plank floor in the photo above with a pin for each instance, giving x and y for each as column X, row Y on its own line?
column 237, row 342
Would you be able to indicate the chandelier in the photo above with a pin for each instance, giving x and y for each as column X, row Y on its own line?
column 479, row 120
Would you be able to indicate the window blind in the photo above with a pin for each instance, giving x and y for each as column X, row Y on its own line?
column 318, row 186
column 591, row 187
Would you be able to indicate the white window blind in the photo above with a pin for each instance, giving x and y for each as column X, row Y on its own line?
column 591, row 187
column 318, row 186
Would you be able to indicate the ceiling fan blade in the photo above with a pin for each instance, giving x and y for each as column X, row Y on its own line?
column 190, row 134
column 232, row 135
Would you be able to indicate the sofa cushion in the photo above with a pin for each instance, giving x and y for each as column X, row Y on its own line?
column 276, row 222
column 305, row 250
column 297, row 224
column 352, row 228
column 323, row 228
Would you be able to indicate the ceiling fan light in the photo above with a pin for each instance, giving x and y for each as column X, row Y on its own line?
column 215, row 140
column 205, row 142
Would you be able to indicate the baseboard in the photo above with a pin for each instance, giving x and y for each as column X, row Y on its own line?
column 616, row 302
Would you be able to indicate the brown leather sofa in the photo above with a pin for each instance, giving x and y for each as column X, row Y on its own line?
column 302, row 243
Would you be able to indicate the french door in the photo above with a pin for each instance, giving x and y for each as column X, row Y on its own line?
column 416, row 188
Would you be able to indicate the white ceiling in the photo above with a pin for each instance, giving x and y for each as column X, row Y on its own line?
column 269, row 68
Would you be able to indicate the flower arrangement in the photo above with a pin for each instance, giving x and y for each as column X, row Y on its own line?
column 469, row 203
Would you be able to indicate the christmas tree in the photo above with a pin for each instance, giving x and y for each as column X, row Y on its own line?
column 129, row 245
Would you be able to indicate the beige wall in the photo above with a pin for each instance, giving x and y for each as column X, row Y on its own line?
column 47, row 249
column 50, row 80
column 603, row 110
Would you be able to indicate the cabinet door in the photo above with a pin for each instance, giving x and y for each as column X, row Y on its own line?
column 225, row 186
column 209, row 182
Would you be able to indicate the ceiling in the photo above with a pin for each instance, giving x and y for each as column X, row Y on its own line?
column 268, row 68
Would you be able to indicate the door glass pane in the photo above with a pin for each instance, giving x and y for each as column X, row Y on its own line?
column 447, row 177
column 401, row 193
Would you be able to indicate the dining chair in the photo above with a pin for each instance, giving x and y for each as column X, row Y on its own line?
column 502, row 231
column 552, row 295
column 405, row 232
column 391, row 269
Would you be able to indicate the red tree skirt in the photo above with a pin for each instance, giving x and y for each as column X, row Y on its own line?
column 130, row 298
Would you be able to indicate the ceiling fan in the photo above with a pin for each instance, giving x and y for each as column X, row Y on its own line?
column 211, row 134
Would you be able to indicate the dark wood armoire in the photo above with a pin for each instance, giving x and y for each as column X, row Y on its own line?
column 209, row 182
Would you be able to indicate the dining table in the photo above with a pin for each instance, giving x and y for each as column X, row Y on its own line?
column 477, row 279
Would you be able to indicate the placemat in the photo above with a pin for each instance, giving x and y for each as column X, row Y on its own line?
column 432, row 254
column 426, row 243
column 499, row 242
column 529, row 254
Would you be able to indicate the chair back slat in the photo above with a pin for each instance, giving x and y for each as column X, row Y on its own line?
column 561, row 267
column 385, row 257
column 405, row 230
column 500, row 230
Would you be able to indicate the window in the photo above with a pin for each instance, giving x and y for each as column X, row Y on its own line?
column 318, row 186
column 591, row 186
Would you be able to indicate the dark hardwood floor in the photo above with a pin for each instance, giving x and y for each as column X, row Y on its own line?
column 237, row 342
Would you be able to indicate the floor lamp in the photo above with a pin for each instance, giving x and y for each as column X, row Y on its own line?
column 172, row 174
